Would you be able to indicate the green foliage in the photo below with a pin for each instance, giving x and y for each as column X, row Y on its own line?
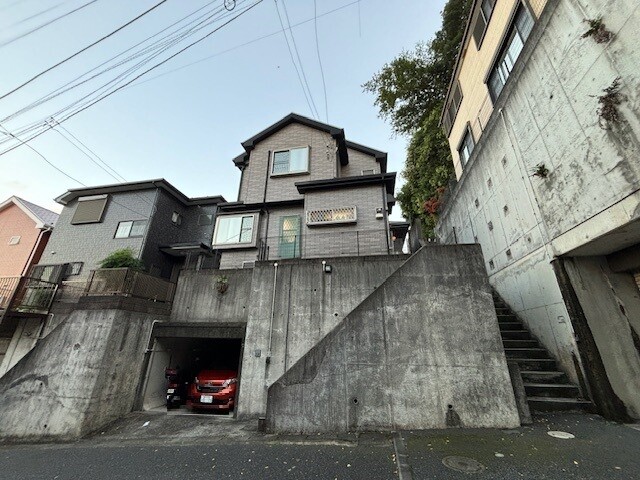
column 410, row 93
column 124, row 257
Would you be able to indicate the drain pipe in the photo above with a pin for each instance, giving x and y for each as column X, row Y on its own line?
column 143, row 381
column 273, row 306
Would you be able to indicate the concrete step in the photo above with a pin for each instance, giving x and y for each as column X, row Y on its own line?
column 526, row 353
column 553, row 390
column 509, row 318
column 515, row 343
column 515, row 334
column 503, row 311
column 548, row 404
column 540, row 376
column 543, row 364
column 510, row 326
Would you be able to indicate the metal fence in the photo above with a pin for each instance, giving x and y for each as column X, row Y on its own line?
column 8, row 285
column 33, row 295
column 70, row 291
column 130, row 283
column 329, row 243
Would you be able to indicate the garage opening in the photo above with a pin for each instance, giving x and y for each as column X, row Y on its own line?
column 193, row 368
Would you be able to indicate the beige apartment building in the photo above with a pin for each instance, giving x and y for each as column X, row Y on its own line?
column 542, row 120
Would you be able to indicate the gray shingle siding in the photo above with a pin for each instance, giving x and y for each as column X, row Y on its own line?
column 358, row 162
column 89, row 243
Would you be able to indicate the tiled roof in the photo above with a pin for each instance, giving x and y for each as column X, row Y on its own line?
column 46, row 216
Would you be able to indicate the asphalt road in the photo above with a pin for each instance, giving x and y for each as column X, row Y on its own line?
column 217, row 447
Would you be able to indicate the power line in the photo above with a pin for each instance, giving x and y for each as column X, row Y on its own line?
column 208, row 57
column 43, row 157
column 83, row 49
column 295, row 48
column 295, row 66
column 31, row 17
column 324, row 85
column 49, row 22
column 106, row 95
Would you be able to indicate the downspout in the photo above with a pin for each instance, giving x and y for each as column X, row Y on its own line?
column 25, row 271
column 143, row 383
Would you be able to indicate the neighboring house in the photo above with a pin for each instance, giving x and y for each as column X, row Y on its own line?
column 306, row 192
column 549, row 185
column 160, row 224
column 24, row 231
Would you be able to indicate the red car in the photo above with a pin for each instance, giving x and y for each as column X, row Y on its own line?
column 213, row 390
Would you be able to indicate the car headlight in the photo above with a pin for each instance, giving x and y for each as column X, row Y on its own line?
column 229, row 382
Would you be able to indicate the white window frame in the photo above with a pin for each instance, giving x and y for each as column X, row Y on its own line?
column 468, row 134
column 290, row 172
column 248, row 243
column 132, row 223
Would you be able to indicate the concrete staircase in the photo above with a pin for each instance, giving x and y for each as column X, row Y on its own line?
column 548, row 389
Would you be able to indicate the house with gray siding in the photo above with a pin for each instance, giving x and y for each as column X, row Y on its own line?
column 306, row 192
column 162, row 226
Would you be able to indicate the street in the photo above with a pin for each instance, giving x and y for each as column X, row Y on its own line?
column 213, row 446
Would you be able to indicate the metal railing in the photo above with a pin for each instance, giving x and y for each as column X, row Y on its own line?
column 70, row 291
column 33, row 295
column 8, row 286
column 327, row 243
column 129, row 283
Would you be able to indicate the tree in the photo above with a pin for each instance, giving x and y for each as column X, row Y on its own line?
column 410, row 93
column 122, row 258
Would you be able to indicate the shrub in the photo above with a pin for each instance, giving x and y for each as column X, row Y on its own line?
column 122, row 258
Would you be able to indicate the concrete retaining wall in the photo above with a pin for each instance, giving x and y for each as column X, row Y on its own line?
column 83, row 375
column 422, row 351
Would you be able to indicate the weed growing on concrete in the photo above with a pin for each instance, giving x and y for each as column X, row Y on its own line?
column 541, row 171
column 597, row 30
column 608, row 110
column 222, row 283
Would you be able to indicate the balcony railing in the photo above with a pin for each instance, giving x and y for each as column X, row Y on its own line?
column 129, row 283
column 8, row 286
column 328, row 243
column 26, row 295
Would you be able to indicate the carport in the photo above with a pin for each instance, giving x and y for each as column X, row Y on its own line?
column 191, row 348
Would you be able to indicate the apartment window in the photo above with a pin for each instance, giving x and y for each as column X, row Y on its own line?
column 74, row 268
column 289, row 244
column 466, row 147
column 332, row 215
column 131, row 228
column 89, row 209
column 482, row 22
column 14, row 240
column 176, row 218
column 234, row 229
column 295, row 160
column 454, row 107
column 519, row 32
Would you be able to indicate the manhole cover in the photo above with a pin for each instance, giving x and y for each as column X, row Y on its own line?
column 463, row 464
column 564, row 435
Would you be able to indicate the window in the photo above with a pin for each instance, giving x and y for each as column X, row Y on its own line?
column 176, row 218
column 74, row 268
column 289, row 245
column 235, row 229
column 295, row 160
column 131, row 228
column 484, row 15
column 451, row 112
column 520, row 30
column 369, row 171
column 14, row 240
column 331, row 215
column 466, row 147
column 89, row 209
column 205, row 219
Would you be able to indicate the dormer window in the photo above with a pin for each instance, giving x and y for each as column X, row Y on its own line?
column 294, row 160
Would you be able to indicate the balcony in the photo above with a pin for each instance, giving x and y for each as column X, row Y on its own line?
column 126, row 282
column 26, row 295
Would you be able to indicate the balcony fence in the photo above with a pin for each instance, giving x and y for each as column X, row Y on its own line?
column 129, row 283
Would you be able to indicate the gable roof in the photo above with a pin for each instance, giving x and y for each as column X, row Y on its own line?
column 160, row 183
column 336, row 133
column 42, row 217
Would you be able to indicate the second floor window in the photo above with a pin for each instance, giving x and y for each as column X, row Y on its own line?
column 520, row 30
column 466, row 147
column 480, row 28
column 234, row 229
column 131, row 228
column 294, row 160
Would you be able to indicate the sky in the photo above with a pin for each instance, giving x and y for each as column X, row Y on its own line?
column 185, row 120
